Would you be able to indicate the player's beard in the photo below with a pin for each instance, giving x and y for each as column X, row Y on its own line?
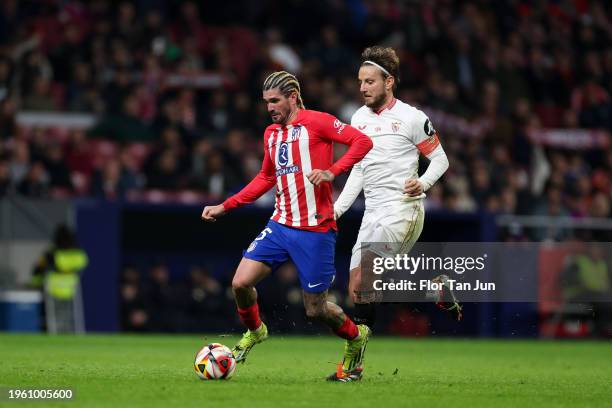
column 278, row 116
column 377, row 102
column 281, row 117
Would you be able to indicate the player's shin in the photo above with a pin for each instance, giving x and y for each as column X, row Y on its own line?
column 364, row 297
column 249, row 316
column 248, row 310
column 365, row 313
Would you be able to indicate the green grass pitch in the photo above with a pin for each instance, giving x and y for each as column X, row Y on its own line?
column 157, row 371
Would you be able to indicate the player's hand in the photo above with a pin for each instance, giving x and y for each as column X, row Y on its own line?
column 413, row 187
column 337, row 214
column 317, row 176
column 212, row 212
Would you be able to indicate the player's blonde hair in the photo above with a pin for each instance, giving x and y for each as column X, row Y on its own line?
column 286, row 83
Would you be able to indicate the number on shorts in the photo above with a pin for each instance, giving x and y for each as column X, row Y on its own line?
column 263, row 234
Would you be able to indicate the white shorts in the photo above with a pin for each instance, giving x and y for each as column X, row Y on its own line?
column 396, row 227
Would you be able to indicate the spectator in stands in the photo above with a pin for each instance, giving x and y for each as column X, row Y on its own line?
column 134, row 316
column 170, row 117
column 217, row 179
column 117, row 91
column 160, row 298
column 9, row 20
column 594, row 106
column 207, row 307
column 81, row 94
column 114, row 181
column 125, row 126
column 6, row 77
column 165, row 173
column 40, row 98
column 36, row 182
column 57, row 168
column 600, row 206
column 241, row 114
column 79, row 155
column 237, row 143
column 8, row 124
column 131, row 177
column 20, row 161
column 199, row 157
column 216, row 119
column 39, row 144
column 5, row 177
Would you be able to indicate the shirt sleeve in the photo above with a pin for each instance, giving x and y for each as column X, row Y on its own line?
column 263, row 181
column 426, row 139
column 359, row 144
column 424, row 135
column 438, row 164
column 349, row 193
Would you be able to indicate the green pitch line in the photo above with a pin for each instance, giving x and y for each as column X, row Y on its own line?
column 156, row 371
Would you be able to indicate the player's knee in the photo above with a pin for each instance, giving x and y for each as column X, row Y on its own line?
column 240, row 284
column 354, row 284
column 315, row 312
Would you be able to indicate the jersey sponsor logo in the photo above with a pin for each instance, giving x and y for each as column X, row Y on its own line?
column 395, row 126
column 339, row 125
column 362, row 127
column 310, row 285
column 377, row 128
column 283, row 154
column 287, row 170
column 252, row 246
column 295, row 134
column 428, row 128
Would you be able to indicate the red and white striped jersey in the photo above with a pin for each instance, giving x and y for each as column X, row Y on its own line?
column 291, row 153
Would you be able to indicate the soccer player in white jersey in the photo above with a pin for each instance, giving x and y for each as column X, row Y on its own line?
column 388, row 175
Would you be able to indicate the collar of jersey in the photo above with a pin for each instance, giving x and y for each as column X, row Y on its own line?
column 390, row 105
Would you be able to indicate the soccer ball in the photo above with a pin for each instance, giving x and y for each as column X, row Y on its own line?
column 215, row 362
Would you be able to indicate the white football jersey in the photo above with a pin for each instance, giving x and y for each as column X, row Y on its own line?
column 399, row 133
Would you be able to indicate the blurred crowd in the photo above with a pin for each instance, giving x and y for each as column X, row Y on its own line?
column 176, row 90
column 152, row 299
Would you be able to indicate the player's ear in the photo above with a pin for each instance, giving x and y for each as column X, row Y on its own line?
column 389, row 82
column 293, row 97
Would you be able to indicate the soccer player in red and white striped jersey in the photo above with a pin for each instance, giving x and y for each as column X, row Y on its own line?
column 298, row 160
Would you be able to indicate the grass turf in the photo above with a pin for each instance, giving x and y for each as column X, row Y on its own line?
column 151, row 371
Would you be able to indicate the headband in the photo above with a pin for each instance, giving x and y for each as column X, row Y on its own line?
column 376, row 65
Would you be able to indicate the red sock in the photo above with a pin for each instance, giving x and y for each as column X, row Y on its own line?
column 250, row 317
column 348, row 330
